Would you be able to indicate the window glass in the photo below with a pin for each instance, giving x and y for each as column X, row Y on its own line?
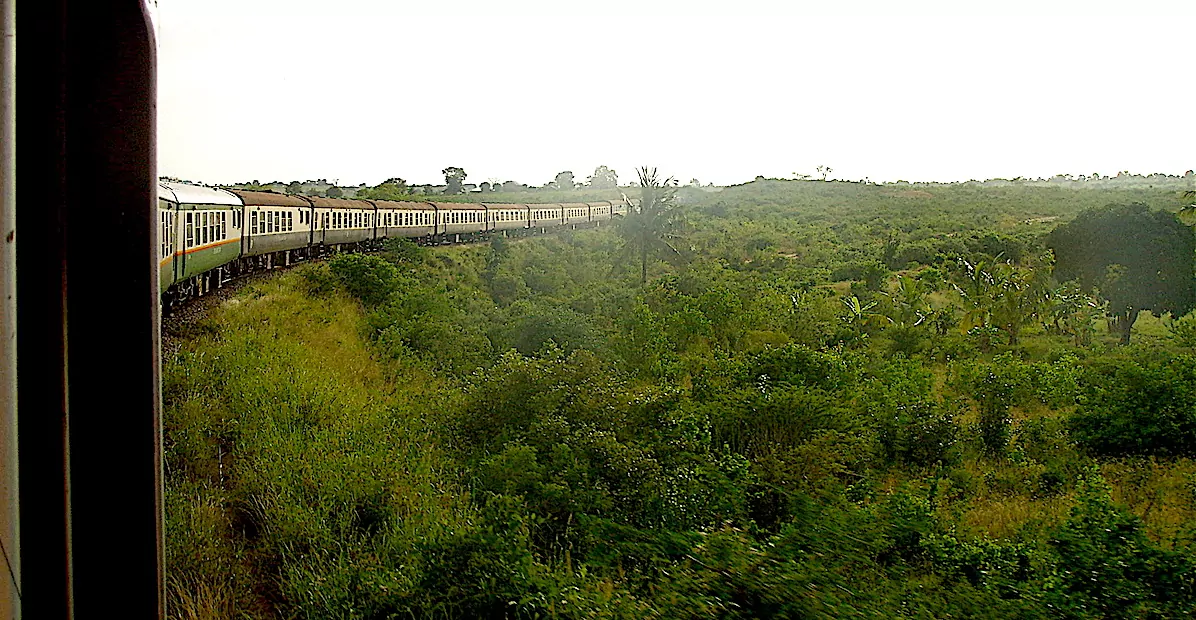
column 189, row 230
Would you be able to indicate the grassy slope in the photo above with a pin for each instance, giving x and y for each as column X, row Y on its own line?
column 286, row 443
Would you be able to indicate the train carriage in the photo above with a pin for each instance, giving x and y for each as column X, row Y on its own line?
column 507, row 216
column 575, row 213
column 460, row 218
column 275, row 223
column 405, row 219
column 546, row 215
column 340, row 221
column 199, row 232
column 600, row 212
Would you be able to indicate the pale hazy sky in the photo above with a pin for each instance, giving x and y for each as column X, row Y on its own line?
column 361, row 90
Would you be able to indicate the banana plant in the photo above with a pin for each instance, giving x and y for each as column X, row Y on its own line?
column 860, row 315
column 910, row 307
column 1187, row 213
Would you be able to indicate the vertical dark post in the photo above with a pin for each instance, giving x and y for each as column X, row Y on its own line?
column 90, row 437
column 41, row 311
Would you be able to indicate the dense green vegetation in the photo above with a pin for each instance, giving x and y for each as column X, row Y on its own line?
column 841, row 400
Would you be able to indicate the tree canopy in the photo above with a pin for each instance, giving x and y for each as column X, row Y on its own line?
column 604, row 178
column 1137, row 259
column 393, row 188
column 454, row 179
column 563, row 180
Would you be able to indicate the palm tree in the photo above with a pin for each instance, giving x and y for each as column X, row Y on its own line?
column 649, row 228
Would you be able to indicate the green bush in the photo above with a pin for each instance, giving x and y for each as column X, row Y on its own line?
column 1139, row 407
column 922, row 434
column 369, row 278
column 1107, row 567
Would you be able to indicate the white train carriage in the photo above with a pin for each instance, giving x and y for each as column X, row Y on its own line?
column 199, row 230
column 507, row 216
column 575, row 213
column 342, row 222
column 460, row 218
column 600, row 211
column 275, row 223
column 405, row 219
column 546, row 215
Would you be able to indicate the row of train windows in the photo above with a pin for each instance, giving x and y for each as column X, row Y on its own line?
column 204, row 227
column 462, row 217
column 165, row 233
column 353, row 219
column 507, row 216
column 406, row 218
column 576, row 213
column 546, row 215
column 267, row 221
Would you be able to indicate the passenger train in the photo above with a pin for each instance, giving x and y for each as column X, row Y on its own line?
column 207, row 235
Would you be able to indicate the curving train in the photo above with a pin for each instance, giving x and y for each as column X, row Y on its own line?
column 207, row 236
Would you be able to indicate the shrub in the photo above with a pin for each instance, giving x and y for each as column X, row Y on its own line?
column 921, row 434
column 1140, row 408
column 369, row 278
column 1107, row 567
column 1184, row 331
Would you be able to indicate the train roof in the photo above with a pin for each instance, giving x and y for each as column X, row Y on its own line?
column 339, row 203
column 184, row 193
column 269, row 199
column 459, row 206
column 504, row 205
column 403, row 204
